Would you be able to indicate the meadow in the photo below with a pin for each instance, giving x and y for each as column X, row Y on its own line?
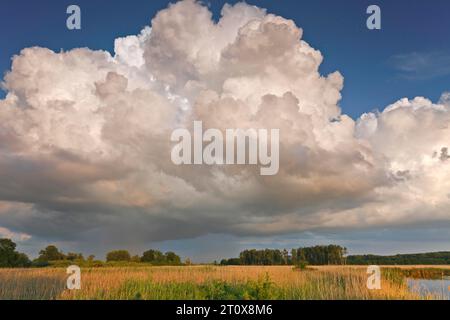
column 206, row 282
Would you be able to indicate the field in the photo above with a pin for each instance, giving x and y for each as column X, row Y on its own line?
column 207, row 282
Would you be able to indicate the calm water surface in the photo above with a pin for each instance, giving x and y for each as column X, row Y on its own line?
column 424, row 287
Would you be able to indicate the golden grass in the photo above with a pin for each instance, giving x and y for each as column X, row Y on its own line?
column 200, row 282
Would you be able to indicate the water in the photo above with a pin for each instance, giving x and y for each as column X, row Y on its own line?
column 424, row 287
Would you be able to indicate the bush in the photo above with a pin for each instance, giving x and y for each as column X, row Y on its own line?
column 262, row 289
column 301, row 265
column 118, row 255
column 40, row 263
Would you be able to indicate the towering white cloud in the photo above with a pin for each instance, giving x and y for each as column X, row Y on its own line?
column 85, row 137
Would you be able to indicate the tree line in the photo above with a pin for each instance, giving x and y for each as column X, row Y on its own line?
column 317, row 255
column 429, row 258
column 51, row 255
column 332, row 255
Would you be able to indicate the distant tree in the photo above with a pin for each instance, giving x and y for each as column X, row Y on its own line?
column 172, row 258
column 51, row 253
column 9, row 257
column 231, row 262
column 22, row 261
column 322, row 255
column 74, row 256
column 136, row 258
column 286, row 258
column 7, row 253
column 153, row 256
column 118, row 255
column 294, row 258
column 429, row 258
column 188, row 262
column 91, row 258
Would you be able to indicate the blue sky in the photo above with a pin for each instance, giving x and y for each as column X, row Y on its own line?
column 373, row 63
column 408, row 57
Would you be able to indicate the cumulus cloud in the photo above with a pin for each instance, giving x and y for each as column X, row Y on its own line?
column 5, row 233
column 85, row 138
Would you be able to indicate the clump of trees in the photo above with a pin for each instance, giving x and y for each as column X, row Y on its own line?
column 51, row 255
column 320, row 255
column 317, row 255
column 151, row 256
column 118, row 255
column 10, row 258
column 158, row 258
column 264, row 257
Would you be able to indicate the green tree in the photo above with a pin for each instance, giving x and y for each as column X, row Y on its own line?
column 172, row 258
column 118, row 255
column 74, row 256
column 22, row 260
column 136, row 258
column 153, row 256
column 51, row 253
column 9, row 257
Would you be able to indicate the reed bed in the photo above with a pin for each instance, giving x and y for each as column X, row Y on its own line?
column 202, row 282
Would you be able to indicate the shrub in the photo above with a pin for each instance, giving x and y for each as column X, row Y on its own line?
column 118, row 255
column 301, row 265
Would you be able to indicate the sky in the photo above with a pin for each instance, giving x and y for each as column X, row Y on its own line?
column 82, row 159
column 370, row 61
